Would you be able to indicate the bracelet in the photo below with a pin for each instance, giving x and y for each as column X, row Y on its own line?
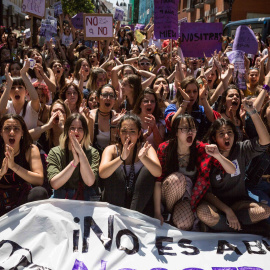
column 267, row 88
column 73, row 164
column 252, row 112
column 121, row 158
column 18, row 169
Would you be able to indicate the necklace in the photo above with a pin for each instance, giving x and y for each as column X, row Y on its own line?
column 183, row 159
column 103, row 113
column 15, row 154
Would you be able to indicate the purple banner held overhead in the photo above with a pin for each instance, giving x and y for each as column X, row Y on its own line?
column 139, row 26
column 245, row 40
column 77, row 21
column 166, row 19
column 200, row 38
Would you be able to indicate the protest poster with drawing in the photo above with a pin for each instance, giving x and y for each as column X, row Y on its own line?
column 238, row 59
column 57, row 9
column 98, row 26
column 119, row 14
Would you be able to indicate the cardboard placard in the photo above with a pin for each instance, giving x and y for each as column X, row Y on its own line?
column 35, row 8
column 119, row 14
column 97, row 26
column 77, row 21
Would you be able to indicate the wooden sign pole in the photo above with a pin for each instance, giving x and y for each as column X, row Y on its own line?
column 31, row 30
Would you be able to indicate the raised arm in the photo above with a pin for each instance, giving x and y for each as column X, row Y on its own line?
column 5, row 96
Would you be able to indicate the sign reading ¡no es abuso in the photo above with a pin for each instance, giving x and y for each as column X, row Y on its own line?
column 34, row 7
column 98, row 26
column 65, row 234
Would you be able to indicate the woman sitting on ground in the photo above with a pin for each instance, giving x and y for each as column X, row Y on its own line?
column 21, row 165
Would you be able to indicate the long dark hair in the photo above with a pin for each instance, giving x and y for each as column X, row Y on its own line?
column 136, row 120
column 222, row 103
column 31, row 72
column 157, row 113
column 26, row 140
column 263, row 115
column 216, row 125
column 64, row 139
column 171, row 154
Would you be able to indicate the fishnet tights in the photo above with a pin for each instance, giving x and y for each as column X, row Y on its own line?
column 256, row 211
column 208, row 214
column 173, row 188
column 183, row 217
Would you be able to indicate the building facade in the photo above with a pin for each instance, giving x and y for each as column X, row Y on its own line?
column 222, row 10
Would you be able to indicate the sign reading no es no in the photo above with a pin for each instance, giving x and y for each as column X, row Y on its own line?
column 98, row 26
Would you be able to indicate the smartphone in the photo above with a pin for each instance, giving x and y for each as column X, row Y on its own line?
column 199, row 81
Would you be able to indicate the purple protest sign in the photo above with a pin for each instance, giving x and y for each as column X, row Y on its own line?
column 245, row 40
column 199, row 38
column 166, row 19
column 139, row 26
column 77, row 21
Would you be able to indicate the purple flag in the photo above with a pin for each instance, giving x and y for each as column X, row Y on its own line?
column 199, row 38
column 245, row 40
column 166, row 19
column 77, row 21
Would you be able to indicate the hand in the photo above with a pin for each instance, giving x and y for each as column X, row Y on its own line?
column 39, row 68
column 9, row 79
column 203, row 90
column 4, row 167
column 67, row 103
column 26, row 66
column 165, row 92
column 53, row 120
column 150, row 120
column 212, row 150
column 160, row 217
column 126, row 149
column 116, row 118
column 76, row 159
column 77, row 147
column 10, row 156
column 183, row 93
column 82, row 106
column 144, row 150
column 232, row 220
column 248, row 105
column 147, row 133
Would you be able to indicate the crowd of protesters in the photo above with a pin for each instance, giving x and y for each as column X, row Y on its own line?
column 137, row 125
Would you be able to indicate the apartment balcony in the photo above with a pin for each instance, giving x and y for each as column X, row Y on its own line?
column 199, row 4
column 209, row 1
column 189, row 9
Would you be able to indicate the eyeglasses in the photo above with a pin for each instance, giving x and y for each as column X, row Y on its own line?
column 146, row 101
column 145, row 64
column 107, row 95
column 187, row 130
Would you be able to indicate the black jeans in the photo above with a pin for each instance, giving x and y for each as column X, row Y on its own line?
column 115, row 189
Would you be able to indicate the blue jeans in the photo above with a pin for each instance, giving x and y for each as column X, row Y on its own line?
column 89, row 194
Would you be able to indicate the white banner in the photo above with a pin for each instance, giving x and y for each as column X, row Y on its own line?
column 72, row 235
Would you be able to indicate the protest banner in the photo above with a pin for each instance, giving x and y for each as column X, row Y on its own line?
column 239, row 74
column 166, row 19
column 179, row 25
column 77, row 20
column 139, row 36
column 119, row 14
column 48, row 28
column 65, row 234
column 245, row 40
column 58, row 9
column 97, row 26
column 35, row 8
column 200, row 38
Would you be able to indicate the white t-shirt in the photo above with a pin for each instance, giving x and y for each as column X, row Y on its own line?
column 30, row 117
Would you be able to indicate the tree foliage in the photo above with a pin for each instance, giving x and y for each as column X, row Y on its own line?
column 73, row 7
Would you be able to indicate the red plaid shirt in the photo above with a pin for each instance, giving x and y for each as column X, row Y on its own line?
column 203, row 164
